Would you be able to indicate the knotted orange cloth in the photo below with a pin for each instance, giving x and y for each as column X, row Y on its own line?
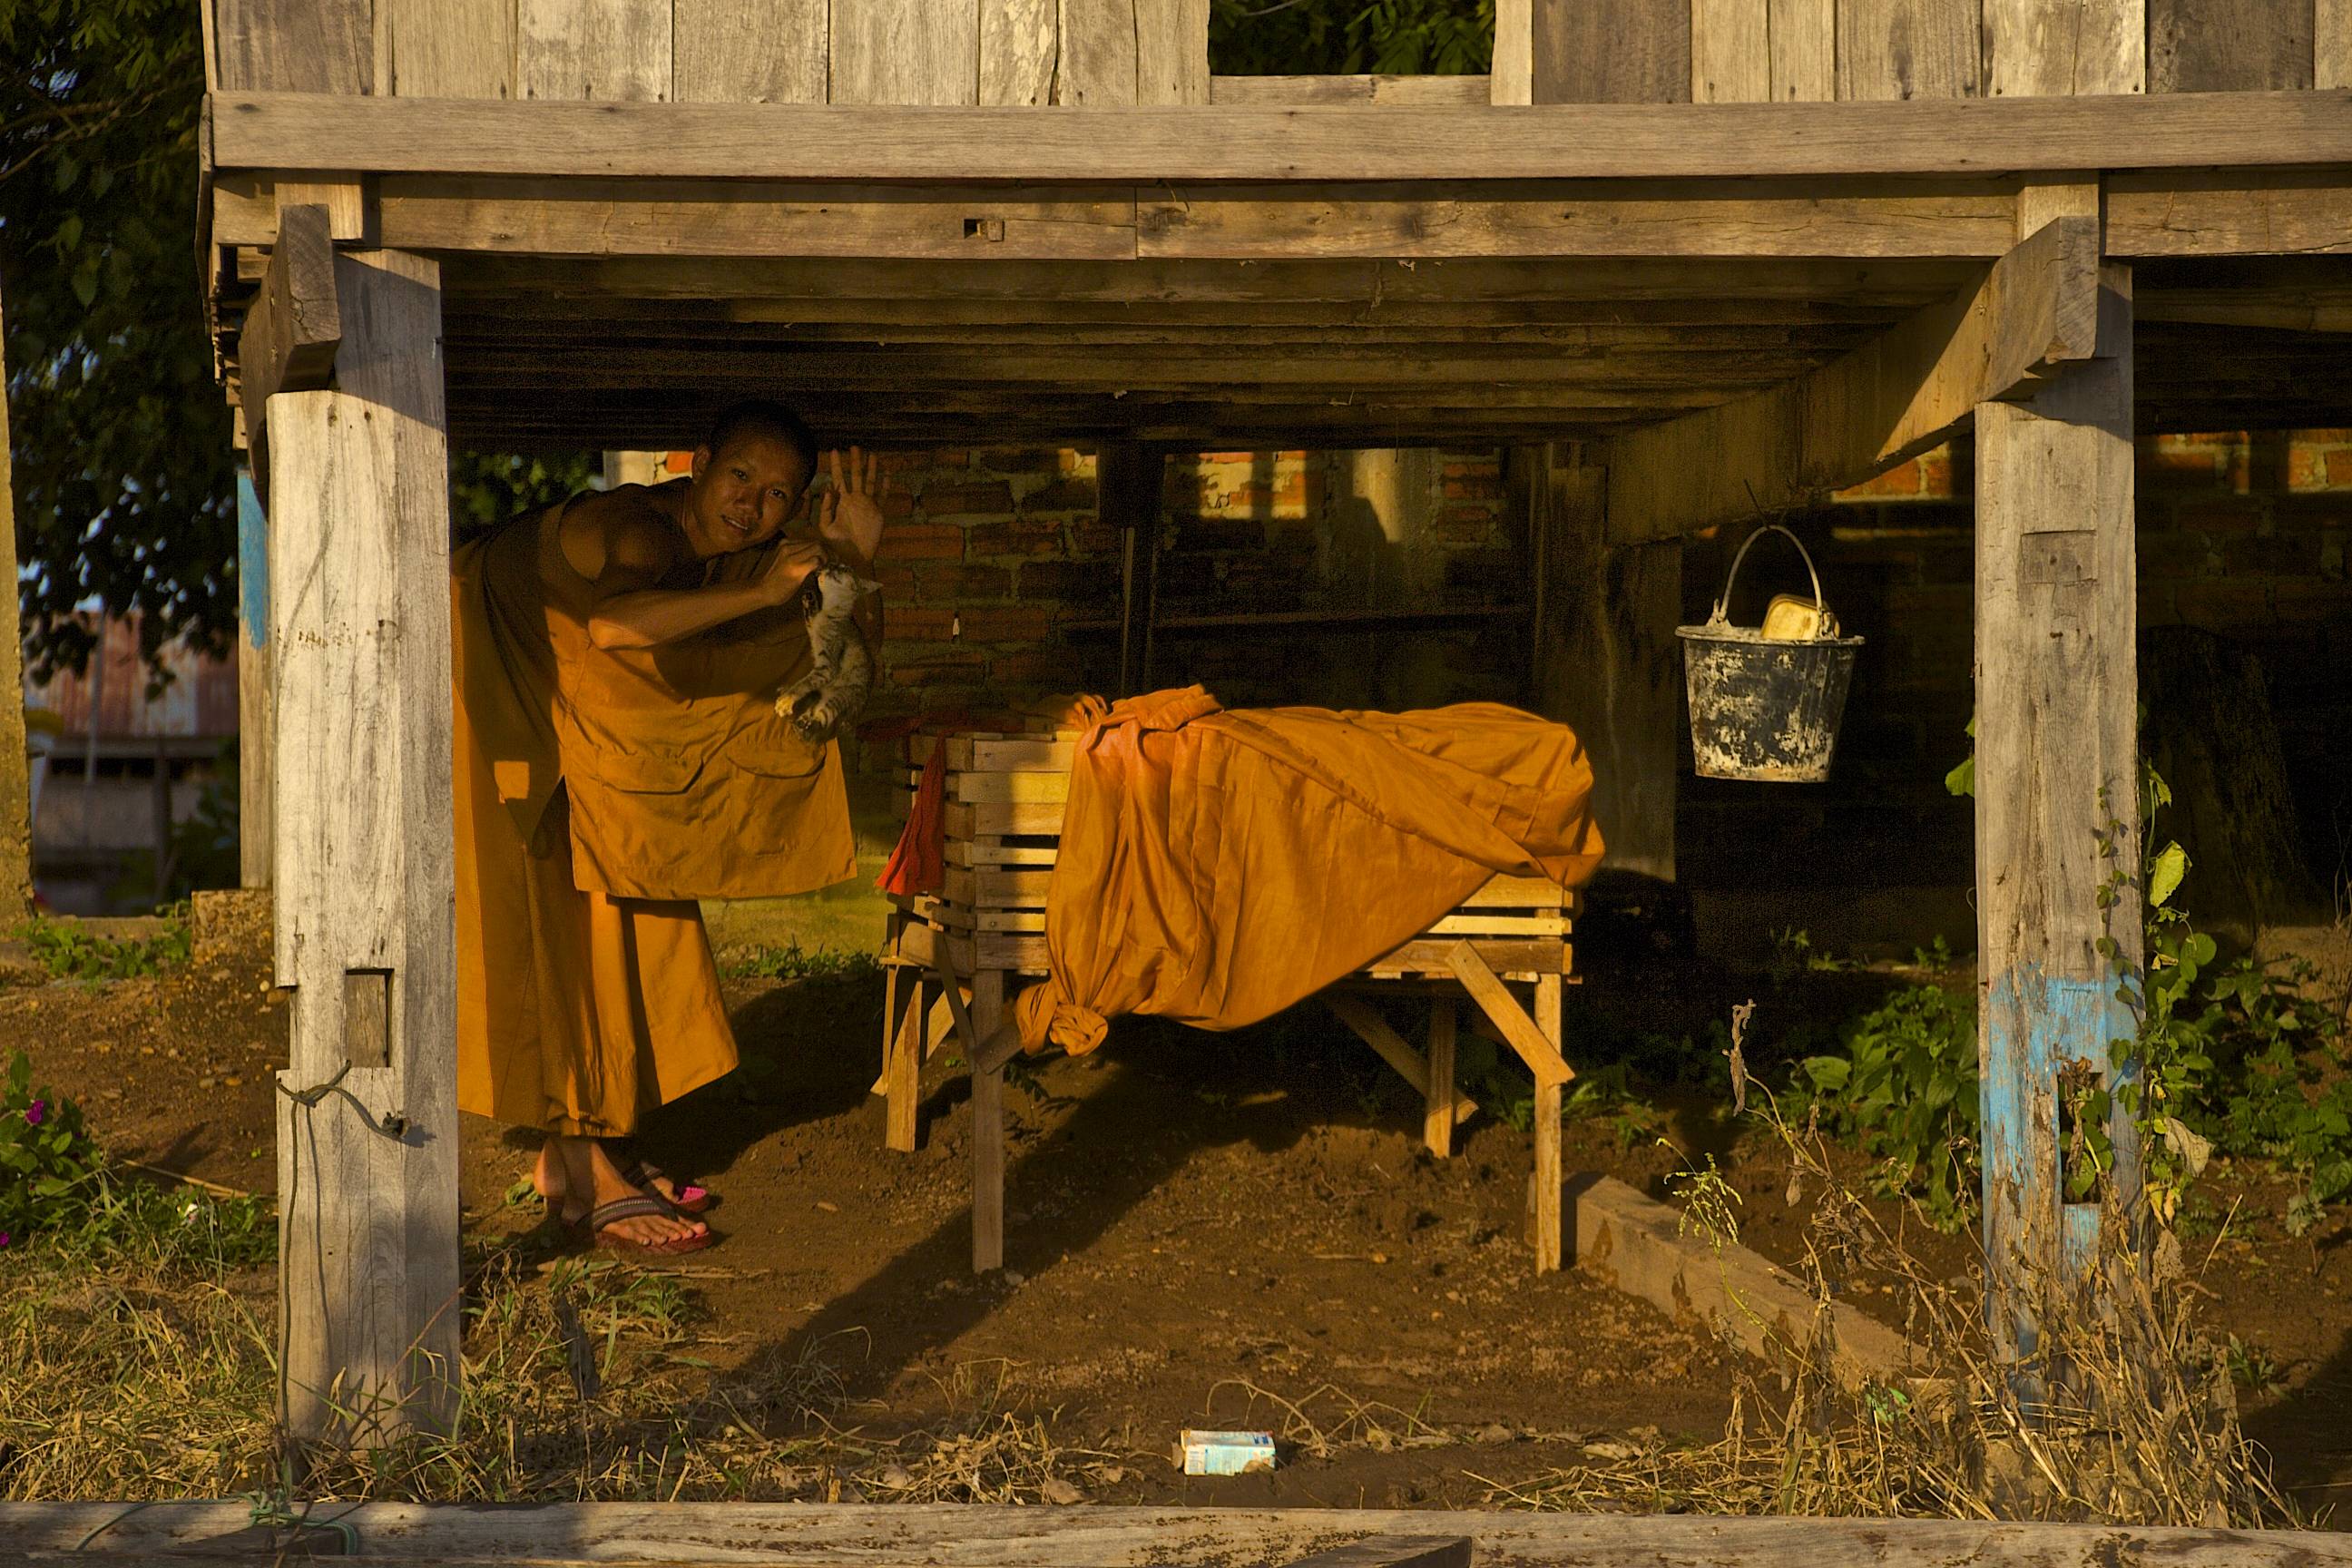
column 1216, row 866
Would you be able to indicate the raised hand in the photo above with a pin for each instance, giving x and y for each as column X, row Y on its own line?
column 849, row 514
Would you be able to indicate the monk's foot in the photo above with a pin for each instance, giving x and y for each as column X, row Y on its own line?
column 687, row 1197
column 624, row 1213
column 547, row 1176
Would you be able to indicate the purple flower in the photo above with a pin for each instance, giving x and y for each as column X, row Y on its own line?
column 3, row 1238
column 37, row 1112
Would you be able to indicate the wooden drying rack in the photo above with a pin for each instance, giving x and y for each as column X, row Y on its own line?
column 947, row 960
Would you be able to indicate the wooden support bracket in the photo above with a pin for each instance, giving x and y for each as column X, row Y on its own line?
column 1394, row 1049
column 2034, row 311
column 292, row 329
column 1519, row 1031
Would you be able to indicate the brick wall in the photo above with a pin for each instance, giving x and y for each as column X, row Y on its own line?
column 1003, row 583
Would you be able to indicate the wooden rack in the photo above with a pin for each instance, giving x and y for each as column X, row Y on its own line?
column 948, row 959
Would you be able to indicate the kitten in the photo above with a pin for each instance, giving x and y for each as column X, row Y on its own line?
column 834, row 692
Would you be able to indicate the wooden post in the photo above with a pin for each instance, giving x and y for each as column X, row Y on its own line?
column 364, row 869
column 987, row 1126
column 1437, row 1094
column 1127, row 496
column 1607, row 661
column 256, row 729
column 904, row 1017
column 16, row 769
column 2056, row 773
column 1543, row 1182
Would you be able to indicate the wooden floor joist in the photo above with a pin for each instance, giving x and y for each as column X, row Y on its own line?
column 948, row 1535
column 1968, row 136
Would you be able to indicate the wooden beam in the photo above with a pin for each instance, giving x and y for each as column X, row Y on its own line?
column 1394, row 1049
column 1607, row 663
column 1541, row 1054
column 1870, row 409
column 988, row 1001
column 2164, row 213
column 1484, row 291
column 1972, row 218
column 2056, row 777
column 294, row 325
column 292, row 328
column 1438, row 1098
column 877, row 1535
column 261, row 130
column 367, row 1170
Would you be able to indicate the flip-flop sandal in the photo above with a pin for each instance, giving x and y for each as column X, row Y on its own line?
column 600, row 1220
column 692, row 1199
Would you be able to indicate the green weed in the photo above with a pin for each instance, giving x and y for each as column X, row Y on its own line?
column 1903, row 1091
column 68, row 951
column 793, row 962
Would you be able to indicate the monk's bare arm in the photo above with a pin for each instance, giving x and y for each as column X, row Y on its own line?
column 620, row 542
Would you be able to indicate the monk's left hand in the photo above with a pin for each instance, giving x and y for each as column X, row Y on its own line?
column 849, row 515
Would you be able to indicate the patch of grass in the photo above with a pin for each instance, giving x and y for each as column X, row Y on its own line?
column 69, row 950
column 793, row 962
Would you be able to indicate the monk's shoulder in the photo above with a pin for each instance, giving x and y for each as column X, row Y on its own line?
column 622, row 532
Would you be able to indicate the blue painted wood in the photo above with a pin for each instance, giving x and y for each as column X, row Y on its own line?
column 252, row 563
column 2036, row 1023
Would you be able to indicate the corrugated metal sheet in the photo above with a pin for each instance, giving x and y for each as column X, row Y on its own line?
column 200, row 703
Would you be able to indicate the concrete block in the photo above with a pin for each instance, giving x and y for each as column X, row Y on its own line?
column 1637, row 1244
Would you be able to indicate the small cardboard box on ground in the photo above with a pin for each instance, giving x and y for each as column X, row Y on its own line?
column 1224, row 1452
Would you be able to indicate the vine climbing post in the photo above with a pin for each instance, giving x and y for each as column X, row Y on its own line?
column 2057, row 804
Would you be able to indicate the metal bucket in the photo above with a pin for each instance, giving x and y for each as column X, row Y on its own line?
column 1767, row 707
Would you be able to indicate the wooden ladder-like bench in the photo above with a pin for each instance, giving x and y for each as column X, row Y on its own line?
column 948, row 959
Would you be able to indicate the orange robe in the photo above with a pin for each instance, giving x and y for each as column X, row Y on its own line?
column 600, row 793
column 1216, row 866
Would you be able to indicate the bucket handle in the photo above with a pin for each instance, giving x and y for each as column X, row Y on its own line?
column 1723, row 600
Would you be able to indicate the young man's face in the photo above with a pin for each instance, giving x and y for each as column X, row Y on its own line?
column 745, row 492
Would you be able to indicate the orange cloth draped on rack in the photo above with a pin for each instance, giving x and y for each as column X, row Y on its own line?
column 600, row 793
column 918, row 865
column 1216, row 866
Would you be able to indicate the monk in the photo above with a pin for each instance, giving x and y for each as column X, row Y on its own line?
column 617, row 758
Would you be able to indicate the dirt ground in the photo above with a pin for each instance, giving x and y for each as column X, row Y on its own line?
column 1200, row 1228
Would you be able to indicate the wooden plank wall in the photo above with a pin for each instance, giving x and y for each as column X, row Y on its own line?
column 1746, row 51
column 1080, row 53
column 1116, row 53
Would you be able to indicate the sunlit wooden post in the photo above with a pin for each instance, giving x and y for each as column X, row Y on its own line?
column 363, row 868
column 2056, row 784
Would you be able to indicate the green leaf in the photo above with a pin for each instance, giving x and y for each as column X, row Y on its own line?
column 1828, row 1072
column 1962, row 780
column 2165, row 872
column 69, row 232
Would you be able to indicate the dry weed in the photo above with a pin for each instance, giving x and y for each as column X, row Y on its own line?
column 2125, row 1416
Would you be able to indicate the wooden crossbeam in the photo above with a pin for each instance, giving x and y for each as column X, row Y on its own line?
column 291, row 329
column 2035, row 309
column 1394, row 1049
column 1519, row 1031
column 261, row 130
